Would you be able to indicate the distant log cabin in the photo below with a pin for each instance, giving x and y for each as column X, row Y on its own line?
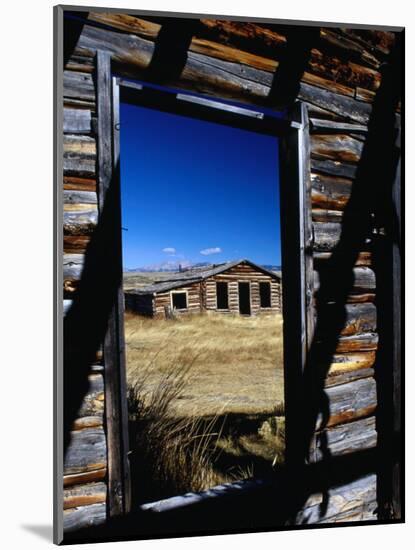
column 238, row 287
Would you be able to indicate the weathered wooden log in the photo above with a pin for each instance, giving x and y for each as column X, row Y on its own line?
column 84, row 516
column 76, row 197
column 333, row 168
column 87, row 451
column 79, row 183
column 321, row 126
column 358, row 318
column 93, row 402
column 363, row 258
column 337, row 147
column 84, row 477
column 347, row 362
column 75, row 244
column 80, row 223
column 76, row 121
column 87, row 422
column 73, row 265
column 212, row 75
column 326, row 236
column 363, row 280
column 353, row 501
column 79, row 155
column 80, row 63
column 330, row 192
column 350, row 401
column 79, row 86
column 366, row 341
column 83, row 495
column 348, row 376
column 346, row 438
column 326, row 216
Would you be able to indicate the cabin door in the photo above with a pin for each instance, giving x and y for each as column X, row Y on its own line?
column 244, row 299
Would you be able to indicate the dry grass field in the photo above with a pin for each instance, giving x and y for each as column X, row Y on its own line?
column 233, row 364
column 205, row 400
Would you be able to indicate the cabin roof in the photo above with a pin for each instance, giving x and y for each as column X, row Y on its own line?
column 194, row 275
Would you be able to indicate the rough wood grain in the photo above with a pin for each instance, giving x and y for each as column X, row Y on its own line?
column 79, row 86
column 84, row 477
column 79, row 155
column 76, row 121
column 79, row 183
column 358, row 342
column 75, row 244
column 346, row 438
column 363, row 258
column 334, row 168
column 363, row 280
column 84, row 516
column 350, row 401
column 348, row 376
column 83, row 495
column 83, row 197
column 337, row 147
column 86, row 452
column 348, row 502
column 330, row 192
column 358, row 318
column 347, row 362
column 80, row 223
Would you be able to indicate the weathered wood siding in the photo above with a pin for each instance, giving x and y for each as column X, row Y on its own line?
column 162, row 300
column 85, row 466
column 237, row 60
column 242, row 273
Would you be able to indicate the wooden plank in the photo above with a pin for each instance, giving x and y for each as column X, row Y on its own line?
column 83, row 495
column 87, row 451
column 334, row 127
column 363, row 258
column 84, row 477
column 358, row 318
column 79, row 183
column 346, row 438
column 333, row 168
column 79, row 155
column 337, row 147
column 357, row 342
column 80, row 223
column 75, row 244
column 83, row 197
column 346, row 362
column 326, row 236
column 330, row 192
column 348, row 502
column 93, row 402
column 83, row 517
column 363, row 280
column 76, row 121
column 350, row 401
column 79, row 86
column 114, row 359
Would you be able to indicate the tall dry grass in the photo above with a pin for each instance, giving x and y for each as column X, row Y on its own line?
column 184, row 377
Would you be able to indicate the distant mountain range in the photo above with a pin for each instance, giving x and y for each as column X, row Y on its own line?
column 173, row 266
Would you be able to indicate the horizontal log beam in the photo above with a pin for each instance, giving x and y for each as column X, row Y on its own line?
column 337, row 147
column 83, row 495
column 75, row 244
column 350, row 401
column 76, row 121
column 366, row 341
column 74, row 183
column 346, row 438
column 84, row 477
column 87, row 451
column 83, row 517
column 80, row 223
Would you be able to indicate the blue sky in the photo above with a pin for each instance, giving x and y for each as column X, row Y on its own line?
column 194, row 191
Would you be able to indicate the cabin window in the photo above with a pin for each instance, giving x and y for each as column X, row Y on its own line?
column 222, row 295
column 265, row 294
column 179, row 300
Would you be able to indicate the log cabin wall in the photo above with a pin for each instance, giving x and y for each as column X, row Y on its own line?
column 162, row 301
column 242, row 273
column 339, row 80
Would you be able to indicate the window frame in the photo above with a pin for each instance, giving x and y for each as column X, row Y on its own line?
column 296, row 245
column 172, row 293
